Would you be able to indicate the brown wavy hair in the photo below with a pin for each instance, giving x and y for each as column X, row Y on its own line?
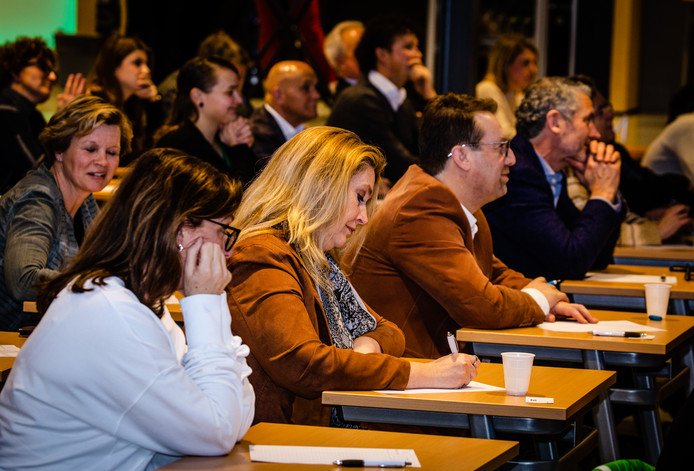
column 134, row 237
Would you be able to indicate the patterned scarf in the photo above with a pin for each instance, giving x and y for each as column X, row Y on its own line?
column 347, row 316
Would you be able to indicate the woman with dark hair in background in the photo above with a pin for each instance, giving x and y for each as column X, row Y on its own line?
column 121, row 76
column 43, row 219
column 106, row 381
column 512, row 67
column 204, row 121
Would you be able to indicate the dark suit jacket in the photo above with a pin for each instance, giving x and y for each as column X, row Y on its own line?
column 267, row 134
column 420, row 268
column 534, row 237
column 364, row 110
column 190, row 140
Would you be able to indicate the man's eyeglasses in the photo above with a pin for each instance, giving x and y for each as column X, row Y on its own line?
column 502, row 146
column 230, row 234
column 45, row 66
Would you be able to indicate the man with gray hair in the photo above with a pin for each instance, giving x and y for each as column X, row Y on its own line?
column 536, row 228
column 338, row 47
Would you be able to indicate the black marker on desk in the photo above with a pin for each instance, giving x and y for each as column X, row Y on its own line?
column 371, row 464
column 606, row 333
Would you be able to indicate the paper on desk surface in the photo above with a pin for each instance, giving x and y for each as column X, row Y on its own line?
column 172, row 300
column 473, row 386
column 328, row 454
column 8, row 350
column 626, row 278
column 612, row 326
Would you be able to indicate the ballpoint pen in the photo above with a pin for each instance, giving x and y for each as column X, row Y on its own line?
column 606, row 333
column 452, row 343
column 554, row 282
column 371, row 464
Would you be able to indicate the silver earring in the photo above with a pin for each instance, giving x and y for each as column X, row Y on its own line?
column 180, row 247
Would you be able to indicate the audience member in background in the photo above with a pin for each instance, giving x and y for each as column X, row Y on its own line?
column 291, row 99
column 121, row 75
column 217, row 44
column 537, row 229
column 377, row 109
column 511, row 68
column 306, row 326
column 204, row 121
column 672, row 151
column 339, row 46
column 426, row 262
column 27, row 75
column 106, row 381
column 656, row 212
column 43, row 219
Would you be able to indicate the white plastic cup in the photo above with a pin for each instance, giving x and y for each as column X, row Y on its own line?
column 517, row 369
column 657, row 298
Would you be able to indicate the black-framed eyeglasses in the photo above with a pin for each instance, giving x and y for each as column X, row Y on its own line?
column 44, row 66
column 230, row 234
column 502, row 146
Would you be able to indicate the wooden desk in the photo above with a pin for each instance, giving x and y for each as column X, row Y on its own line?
column 487, row 413
column 8, row 338
column 174, row 308
column 609, row 295
column 647, row 359
column 434, row 452
column 104, row 195
column 654, row 255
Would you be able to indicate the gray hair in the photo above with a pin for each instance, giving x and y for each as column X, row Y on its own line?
column 333, row 47
column 549, row 93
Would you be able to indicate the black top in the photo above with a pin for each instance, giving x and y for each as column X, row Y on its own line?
column 20, row 126
column 238, row 161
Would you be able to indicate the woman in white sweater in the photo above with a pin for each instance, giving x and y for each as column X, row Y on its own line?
column 106, row 381
column 512, row 67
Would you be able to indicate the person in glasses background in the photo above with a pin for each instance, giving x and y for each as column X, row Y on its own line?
column 537, row 229
column 427, row 262
column 27, row 75
column 106, row 380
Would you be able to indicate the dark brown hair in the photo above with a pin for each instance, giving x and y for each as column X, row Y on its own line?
column 134, row 237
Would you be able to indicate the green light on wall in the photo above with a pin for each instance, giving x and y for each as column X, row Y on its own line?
column 37, row 18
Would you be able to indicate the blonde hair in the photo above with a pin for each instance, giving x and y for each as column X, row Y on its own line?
column 303, row 191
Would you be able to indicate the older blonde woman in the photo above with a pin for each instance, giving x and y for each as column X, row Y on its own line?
column 306, row 326
column 43, row 218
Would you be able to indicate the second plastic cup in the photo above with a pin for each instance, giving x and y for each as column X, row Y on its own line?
column 657, row 298
column 517, row 369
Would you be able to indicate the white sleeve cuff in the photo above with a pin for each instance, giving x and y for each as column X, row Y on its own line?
column 207, row 320
column 539, row 298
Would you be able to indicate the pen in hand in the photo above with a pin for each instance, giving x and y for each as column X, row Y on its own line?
column 452, row 343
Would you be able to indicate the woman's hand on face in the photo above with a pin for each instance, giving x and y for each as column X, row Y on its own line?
column 451, row 372
column 205, row 269
column 366, row 344
column 235, row 132
column 148, row 92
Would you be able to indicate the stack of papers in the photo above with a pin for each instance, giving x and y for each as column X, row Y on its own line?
column 612, row 326
column 8, row 350
column 622, row 278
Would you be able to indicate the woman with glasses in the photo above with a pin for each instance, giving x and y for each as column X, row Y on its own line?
column 122, row 76
column 511, row 68
column 204, row 121
column 44, row 217
column 106, row 381
column 306, row 326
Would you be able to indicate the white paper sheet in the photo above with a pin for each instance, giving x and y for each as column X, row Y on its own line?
column 622, row 278
column 473, row 386
column 172, row 300
column 8, row 350
column 619, row 326
column 328, row 454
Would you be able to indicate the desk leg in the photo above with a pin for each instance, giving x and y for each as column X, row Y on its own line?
column 650, row 422
column 680, row 306
column 481, row 426
column 688, row 360
column 602, row 413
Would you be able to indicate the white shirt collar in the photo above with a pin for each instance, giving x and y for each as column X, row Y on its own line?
column 395, row 96
column 287, row 129
column 472, row 220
